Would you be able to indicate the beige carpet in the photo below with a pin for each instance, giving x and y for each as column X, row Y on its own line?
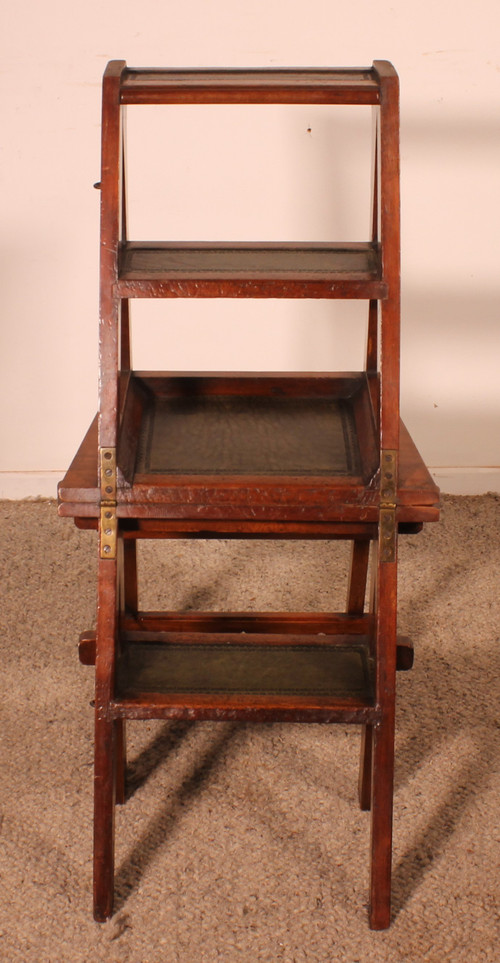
column 244, row 843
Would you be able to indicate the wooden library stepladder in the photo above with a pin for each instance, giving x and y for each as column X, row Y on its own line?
column 238, row 455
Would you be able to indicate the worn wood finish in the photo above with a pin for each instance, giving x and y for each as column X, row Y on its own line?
column 154, row 270
column 250, row 455
column 259, row 709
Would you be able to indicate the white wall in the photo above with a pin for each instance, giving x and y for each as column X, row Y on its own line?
column 448, row 59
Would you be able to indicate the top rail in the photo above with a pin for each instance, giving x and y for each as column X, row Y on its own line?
column 273, row 86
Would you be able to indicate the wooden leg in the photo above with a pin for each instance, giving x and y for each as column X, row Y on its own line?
column 105, row 743
column 383, row 746
column 381, row 829
column 104, row 818
column 356, row 594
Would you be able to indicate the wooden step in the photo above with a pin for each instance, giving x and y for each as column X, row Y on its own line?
column 272, row 676
column 292, row 86
column 150, row 269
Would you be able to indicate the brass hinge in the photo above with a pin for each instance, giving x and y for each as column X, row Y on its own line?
column 108, row 523
column 388, row 487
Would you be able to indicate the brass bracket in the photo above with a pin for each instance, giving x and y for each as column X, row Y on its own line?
column 108, row 527
column 108, row 531
column 388, row 489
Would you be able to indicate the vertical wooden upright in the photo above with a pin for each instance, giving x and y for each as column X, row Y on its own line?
column 386, row 582
column 107, row 589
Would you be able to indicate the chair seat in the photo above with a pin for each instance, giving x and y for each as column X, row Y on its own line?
column 252, row 448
